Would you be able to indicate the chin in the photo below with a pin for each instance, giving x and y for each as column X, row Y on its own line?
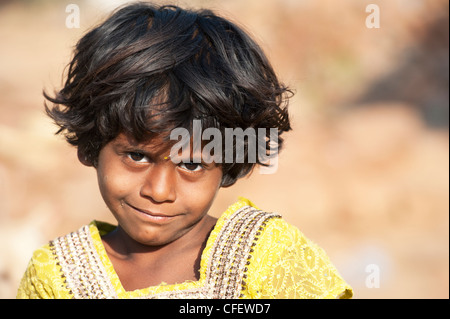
column 155, row 240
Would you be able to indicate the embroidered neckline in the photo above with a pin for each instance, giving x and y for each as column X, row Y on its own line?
column 84, row 273
column 82, row 258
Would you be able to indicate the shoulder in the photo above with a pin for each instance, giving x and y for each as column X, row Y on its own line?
column 43, row 277
column 286, row 264
column 280, row 233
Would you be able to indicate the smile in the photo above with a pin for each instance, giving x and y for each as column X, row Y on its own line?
column 152, row 216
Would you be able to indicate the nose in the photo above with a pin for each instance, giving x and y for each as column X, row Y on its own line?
column 159, row 183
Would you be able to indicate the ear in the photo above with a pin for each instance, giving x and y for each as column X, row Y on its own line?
column 84, row 159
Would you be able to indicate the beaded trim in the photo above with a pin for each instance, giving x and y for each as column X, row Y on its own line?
column 231, row 253
column 226, row 270
column 84, row 273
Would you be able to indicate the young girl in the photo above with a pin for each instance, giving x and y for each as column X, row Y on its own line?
column 134, row 79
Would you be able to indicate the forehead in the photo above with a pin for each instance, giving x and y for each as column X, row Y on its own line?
column 157, row 144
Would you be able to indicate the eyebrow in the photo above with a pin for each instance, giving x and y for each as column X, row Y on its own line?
column 138, row 147
column 124, row 145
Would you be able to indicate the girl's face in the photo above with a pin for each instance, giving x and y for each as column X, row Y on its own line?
column 154, row 200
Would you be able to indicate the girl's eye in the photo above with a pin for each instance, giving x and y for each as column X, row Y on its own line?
column 137, row 157
column 192, row 167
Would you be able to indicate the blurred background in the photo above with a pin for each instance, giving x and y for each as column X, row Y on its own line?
column 365, row 172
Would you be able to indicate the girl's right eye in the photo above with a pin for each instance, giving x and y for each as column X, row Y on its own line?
column 137, row 157
column 191, row 167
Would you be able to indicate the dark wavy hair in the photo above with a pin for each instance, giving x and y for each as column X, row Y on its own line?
column 146, row 70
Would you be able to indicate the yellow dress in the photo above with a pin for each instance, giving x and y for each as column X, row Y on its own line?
column 249, row 254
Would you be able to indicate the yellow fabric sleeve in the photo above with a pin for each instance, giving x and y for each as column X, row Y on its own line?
column 42, row 278
column 285, row 264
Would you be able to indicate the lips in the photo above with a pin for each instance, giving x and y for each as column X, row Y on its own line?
column 153, row 216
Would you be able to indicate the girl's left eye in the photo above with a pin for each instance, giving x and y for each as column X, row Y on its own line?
column 137, row 157
column 192, row 167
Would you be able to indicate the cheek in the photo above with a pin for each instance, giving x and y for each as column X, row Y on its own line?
column 202, row 195
column 113, row 186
